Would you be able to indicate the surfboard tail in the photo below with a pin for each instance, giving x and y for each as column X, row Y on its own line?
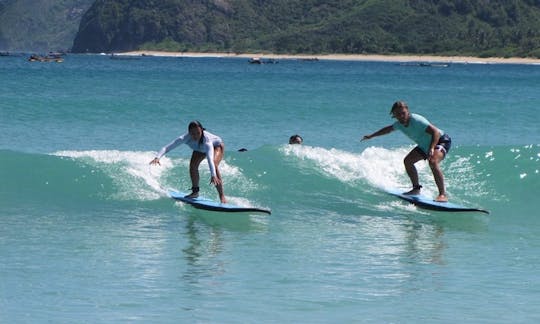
column 428, row 203
column 211, row 205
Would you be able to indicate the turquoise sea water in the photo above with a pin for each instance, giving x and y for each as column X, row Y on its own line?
column 87, row 233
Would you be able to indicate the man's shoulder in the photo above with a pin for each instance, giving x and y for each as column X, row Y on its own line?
column 419, row 118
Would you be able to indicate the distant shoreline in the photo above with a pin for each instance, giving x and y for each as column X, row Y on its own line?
column 349, row 57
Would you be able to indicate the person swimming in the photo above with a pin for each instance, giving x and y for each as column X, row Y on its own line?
column 296, row 139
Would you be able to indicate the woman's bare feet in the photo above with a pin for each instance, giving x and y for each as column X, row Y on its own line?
column 192, row 195
column 414, row 191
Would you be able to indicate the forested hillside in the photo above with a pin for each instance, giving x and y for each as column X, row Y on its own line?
column 472, row 27
column 445, row 27
column 40, row 25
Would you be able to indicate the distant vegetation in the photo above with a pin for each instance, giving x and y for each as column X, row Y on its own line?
column 44, row 25
column 484, row 28
column 472, row 27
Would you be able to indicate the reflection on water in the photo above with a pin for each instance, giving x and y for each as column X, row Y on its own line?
column 204, row 242
column 208, row 237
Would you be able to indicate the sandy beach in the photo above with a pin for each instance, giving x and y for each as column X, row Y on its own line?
column 348, row 57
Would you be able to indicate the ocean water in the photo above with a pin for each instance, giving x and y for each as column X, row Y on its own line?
column 88, row 234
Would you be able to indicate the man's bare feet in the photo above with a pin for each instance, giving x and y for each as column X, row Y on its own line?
column 441, row 198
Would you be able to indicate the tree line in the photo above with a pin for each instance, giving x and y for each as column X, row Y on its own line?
column 485, row 28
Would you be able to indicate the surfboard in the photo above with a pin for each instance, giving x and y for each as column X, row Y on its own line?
column 208, row 204
column 428, row 203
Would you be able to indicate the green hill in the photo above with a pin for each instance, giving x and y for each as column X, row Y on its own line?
column 445, row 27
column 44, row 25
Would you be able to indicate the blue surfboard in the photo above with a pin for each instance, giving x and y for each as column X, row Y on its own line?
column 428, row 203
column 208, row 204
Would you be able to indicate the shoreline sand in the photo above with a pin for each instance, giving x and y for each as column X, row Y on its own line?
column 347, row 57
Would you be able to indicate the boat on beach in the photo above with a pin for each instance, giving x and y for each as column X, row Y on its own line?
column 51, row 57
column 426, row 64
column 258, row 60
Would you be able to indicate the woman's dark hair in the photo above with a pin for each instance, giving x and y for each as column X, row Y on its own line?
column 197, row 124
column 194, row 124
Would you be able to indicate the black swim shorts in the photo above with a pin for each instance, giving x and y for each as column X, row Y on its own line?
column 444, row 144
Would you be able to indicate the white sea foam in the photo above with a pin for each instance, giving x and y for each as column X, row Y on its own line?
column 137, row 179
column 128, row 170
column 381, row 167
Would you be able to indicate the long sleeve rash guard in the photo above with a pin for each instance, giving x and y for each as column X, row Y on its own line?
column 206, row 146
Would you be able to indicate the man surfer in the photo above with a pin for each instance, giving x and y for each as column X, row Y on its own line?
column 432, row 144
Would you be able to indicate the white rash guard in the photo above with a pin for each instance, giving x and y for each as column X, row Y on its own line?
column 209, row 141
